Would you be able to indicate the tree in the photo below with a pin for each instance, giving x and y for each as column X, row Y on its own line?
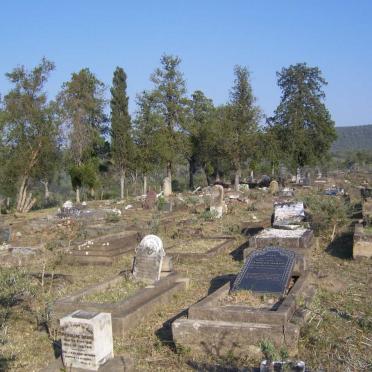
column 242, row 124
column 121, row 130
column 201, row 127
column 83, row 104
column 148, row 137
column 170, row 102
column 29, row 129
column 301, row 122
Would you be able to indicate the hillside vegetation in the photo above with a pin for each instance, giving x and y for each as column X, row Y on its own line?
column 353, row 138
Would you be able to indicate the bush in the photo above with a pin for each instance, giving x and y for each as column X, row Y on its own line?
column 326, row 213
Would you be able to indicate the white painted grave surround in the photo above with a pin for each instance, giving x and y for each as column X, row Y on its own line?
column 288, row 214
column 86, row 339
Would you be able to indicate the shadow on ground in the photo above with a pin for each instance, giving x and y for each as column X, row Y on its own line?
column 342, row 246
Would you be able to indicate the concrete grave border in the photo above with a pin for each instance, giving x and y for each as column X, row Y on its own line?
column 127, row 313
column 227, row 242
column 97, row 253
column 237, row 328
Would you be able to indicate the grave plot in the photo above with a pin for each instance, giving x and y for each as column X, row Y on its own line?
column 128, row 306
column 362, row 245
column 198, row 248
column 129, row 296
column 262, row 304
column 102, row 250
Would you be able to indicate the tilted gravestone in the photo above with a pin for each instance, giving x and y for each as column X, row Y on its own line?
column 86, row 339
column 149, row 259
column 266, row 271
column 150, row 200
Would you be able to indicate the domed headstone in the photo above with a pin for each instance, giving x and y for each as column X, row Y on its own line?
column 149, row 258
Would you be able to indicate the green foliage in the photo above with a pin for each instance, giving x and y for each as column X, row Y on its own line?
column 112, row 217
column 121, row 129
column 208, row 215
column 84, row 175
column 269, row 351
column 326, row 212
column 302, row 123
column 355, row 138
column 29, row 129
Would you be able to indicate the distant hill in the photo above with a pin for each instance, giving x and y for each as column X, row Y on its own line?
column 358, row 137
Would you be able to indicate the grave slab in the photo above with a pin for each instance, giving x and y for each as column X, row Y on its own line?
column 103, row 250
column 300, row 240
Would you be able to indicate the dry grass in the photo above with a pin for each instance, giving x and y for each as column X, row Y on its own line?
column 337, row 336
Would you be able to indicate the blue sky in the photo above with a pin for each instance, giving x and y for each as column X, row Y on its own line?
column 210, row 37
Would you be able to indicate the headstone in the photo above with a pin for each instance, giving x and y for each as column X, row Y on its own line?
column 266, row 271
column 274, row 187
column 298, row 176
column 5, row 233
column 149, row 258
column 150, row 200
column 86, row 339
column 288, row 215
column 286, row 192
column 217, row 204
column 167, row 187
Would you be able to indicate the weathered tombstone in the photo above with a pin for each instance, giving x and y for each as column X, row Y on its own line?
column 167, row 186
column 274, row 187
column 86, row 339
column 286, row 192
column 5, row 234
column 217, row 204
column 150, row 200
column 288, row 215
column 149, row 258
column 266, row 271
column 298, row 176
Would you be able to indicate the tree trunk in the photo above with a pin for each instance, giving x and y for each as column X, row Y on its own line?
column 122, row 181
column 218, row 179
column 78, row 195
column 191, row 173
column 25, row 201
column 145, row 185
column 237, row 180
column 92, row 192
column 46, row 189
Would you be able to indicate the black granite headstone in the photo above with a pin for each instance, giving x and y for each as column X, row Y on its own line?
column 266, row 271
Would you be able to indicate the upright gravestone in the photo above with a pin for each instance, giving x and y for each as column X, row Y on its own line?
column 266, row 271
column 217, row 204
column 149, row 258
column 167, row 187
column 150, row 200
column 274, row 187
column 86, row 339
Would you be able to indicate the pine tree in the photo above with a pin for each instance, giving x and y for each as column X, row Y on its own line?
column 301, row 122
column 242, row 125
column 121, row 129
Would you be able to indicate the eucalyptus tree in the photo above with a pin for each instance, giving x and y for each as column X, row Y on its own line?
column 29, row 130
column 82, row 102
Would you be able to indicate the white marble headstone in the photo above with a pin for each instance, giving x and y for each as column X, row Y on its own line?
column 86, row 339
column 149, row 259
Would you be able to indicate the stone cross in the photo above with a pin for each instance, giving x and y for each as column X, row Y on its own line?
column 217, row 204
column 149, row 258
column 167, row 187
column 86, row 339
